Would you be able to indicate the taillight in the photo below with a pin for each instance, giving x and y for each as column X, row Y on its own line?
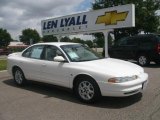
column 158, row 48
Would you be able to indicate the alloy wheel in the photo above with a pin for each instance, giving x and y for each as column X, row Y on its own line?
column 86, row 90
column 18, row 77
column 143, row 60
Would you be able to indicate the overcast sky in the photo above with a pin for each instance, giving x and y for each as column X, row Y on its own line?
column 16, row 15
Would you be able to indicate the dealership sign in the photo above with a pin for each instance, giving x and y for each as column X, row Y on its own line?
column 90, row 22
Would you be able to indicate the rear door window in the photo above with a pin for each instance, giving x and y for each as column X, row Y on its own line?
column 34, row 52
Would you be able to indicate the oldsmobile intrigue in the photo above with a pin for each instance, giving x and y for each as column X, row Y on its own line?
column 77, row 67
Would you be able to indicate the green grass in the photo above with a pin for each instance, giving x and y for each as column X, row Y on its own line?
column 3, row 65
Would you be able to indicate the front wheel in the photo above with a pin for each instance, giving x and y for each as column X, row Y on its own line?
column 19, row 78
column 143, row 60
column 87, row 90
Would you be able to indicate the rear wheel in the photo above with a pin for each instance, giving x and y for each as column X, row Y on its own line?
column 143, row 60
column 87, row 90
column 19, row 78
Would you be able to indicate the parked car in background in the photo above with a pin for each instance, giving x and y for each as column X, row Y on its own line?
column 142, row 48
column 76, row 66
column 4, row 51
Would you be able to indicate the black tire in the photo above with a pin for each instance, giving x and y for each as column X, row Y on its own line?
column 19, row 77
column 87, row 89
column 143, row 60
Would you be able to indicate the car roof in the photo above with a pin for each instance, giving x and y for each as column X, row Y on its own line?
column 146, row 35
column 56, row 43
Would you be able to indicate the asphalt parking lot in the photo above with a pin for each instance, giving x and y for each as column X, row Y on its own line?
column 38, row 101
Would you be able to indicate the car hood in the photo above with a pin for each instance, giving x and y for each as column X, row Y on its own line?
column 113, row 67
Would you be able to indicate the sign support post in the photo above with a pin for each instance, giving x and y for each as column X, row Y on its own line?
column 59, row 38
column 106, row 34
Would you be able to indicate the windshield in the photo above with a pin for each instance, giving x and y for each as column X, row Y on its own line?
column 78, row 53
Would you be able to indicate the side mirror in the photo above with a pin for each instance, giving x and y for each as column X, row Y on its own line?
column 59, row 59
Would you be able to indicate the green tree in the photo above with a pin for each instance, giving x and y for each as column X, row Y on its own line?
column 65, row 39
column 29, row 34
column 99, row 39
column 77, row 40
column 89, row 43
column 146, row 19
column 49, row 38
column 5, row 38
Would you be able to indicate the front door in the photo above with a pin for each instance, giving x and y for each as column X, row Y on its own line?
column 54, row 72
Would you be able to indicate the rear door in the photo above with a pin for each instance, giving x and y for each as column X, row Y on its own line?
column 31, row 62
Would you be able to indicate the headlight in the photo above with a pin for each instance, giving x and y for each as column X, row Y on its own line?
column 122, row 79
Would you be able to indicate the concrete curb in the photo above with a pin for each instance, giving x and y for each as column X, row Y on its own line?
column 3, row 71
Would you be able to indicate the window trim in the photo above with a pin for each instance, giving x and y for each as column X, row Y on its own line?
column 42, row 54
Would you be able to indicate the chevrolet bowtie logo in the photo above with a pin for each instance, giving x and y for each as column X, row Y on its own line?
column 111, row 18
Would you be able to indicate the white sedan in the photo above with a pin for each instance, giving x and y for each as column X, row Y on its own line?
column 77, row 67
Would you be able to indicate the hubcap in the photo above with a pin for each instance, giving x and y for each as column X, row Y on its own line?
column 142, row 60
column 18, row 77
column 86, row 90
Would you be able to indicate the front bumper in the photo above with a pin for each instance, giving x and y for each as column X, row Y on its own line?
column 126, row 88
